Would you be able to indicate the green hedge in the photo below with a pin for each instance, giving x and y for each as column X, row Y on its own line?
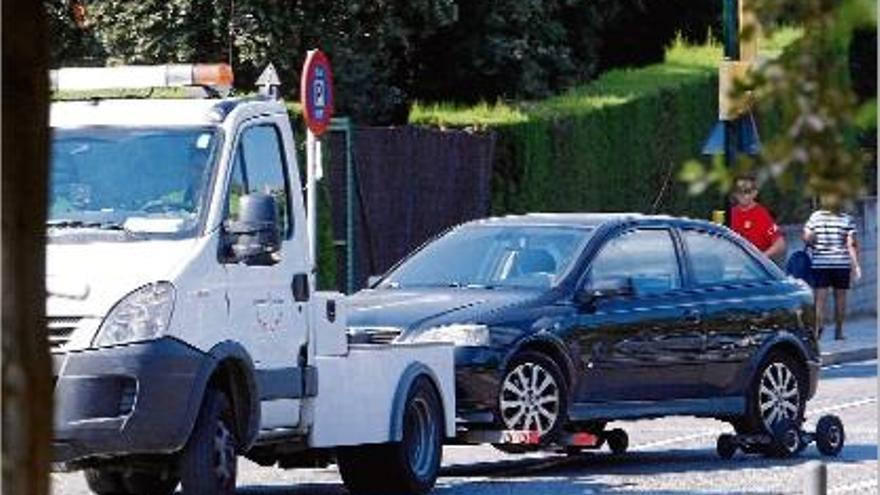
column 616, row 144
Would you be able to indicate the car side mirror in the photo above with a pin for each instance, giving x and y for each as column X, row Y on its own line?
column 254, row 237
column 600, row 290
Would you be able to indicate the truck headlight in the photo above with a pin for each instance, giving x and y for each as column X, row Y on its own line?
column 141, row 315
column 459, row 334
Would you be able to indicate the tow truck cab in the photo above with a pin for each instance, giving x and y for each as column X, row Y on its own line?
column 181, row 306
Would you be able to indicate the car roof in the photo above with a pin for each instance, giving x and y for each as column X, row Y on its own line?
column 589, row 220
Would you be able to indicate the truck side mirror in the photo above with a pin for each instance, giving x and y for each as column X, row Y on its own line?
column 254, row 237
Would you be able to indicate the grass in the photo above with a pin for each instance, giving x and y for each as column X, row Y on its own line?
column 683, row 64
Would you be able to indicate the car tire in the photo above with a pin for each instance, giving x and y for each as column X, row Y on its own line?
column 103, row 481
column 410, row 466
column 778, row 391
column 533, row 395
column 209, row 461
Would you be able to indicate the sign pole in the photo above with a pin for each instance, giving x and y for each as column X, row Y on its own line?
column 311, row 202
column 316, row 94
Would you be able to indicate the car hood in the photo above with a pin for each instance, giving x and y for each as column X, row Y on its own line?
column 419, row 308
column 87, row 279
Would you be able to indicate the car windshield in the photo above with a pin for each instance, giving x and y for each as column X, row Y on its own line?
column 492, row 256
column 147, row 180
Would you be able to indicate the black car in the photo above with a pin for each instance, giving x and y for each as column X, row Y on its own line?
column 563, row 322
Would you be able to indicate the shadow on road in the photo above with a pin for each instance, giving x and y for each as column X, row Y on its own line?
column 865, row 369
column 564, row 475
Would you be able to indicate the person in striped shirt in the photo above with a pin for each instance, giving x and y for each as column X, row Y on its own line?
column 831, row 237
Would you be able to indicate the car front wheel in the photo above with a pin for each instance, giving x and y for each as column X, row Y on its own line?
column 533, row 396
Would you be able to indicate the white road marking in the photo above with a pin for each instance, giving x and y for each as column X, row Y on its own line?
column 845, row 405
column 866, row 486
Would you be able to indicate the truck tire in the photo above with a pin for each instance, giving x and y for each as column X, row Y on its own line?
column 406, row 467
column 148, row 483
column 208, row 463
column 105, row 481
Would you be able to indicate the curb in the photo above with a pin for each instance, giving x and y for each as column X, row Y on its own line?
column 849, row 356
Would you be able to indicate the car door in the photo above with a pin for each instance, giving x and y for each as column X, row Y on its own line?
column 262, row 312
column 646, row 345
column 740, row 303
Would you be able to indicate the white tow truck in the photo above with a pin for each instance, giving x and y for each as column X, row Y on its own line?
column 182, row 313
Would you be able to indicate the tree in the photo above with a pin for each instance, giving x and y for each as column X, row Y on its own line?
column 808, row 89
column 27, row 384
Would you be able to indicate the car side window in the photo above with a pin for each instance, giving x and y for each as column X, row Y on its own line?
column 644, row 258
column 259, row 166
column 716, row 260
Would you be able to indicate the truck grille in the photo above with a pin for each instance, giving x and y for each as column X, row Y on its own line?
column 60, row 328
column 383, row 336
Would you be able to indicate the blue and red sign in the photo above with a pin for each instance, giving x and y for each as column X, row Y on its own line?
column 316, row 92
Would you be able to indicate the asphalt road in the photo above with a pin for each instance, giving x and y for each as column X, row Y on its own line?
column 667, row 456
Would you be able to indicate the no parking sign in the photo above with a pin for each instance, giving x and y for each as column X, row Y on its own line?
column 316, row 92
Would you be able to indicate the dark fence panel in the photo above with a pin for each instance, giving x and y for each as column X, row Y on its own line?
column 414, row 183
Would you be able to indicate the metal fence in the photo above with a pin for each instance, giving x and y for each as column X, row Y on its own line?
column 412, row 183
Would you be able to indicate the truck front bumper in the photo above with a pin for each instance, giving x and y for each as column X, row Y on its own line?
column 139, row 398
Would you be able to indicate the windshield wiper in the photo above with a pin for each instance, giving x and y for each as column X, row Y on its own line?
column 79, row 224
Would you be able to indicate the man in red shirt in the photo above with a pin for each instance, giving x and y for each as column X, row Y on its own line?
column 751, row 220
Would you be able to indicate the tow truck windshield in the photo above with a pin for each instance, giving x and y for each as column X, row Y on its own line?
column 136, row 180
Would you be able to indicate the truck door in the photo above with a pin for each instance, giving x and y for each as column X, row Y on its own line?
column 262, row 311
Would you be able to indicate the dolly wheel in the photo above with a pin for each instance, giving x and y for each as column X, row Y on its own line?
column 786, row 439
column 829, row 435
column 726, row 446
column 618, row 441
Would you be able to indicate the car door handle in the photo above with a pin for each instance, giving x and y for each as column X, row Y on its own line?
column 692, row 316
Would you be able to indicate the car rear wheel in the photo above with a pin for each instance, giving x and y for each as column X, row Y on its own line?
column 533, row 396
column 778, row 393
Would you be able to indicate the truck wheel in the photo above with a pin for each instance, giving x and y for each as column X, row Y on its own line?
column 533, row 396
column 105, row 481
column 409, row 466
column 208, row 463
column 147, row 483
column 778, row 392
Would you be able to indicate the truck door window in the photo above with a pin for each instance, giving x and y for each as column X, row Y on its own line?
column 259, row 166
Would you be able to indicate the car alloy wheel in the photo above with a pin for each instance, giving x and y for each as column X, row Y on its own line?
column 530, row 398
column 778, row 395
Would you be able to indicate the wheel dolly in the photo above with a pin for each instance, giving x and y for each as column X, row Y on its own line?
column 571, row 443
column 787, row 439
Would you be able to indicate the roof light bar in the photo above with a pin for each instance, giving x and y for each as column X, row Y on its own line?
column 141, row 76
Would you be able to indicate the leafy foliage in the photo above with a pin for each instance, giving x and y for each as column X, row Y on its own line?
column 385, row 53
column 808, row 89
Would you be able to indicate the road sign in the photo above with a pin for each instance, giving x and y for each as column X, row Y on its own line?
column 316, row 92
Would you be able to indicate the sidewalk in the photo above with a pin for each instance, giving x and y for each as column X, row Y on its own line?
column 860, row 343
